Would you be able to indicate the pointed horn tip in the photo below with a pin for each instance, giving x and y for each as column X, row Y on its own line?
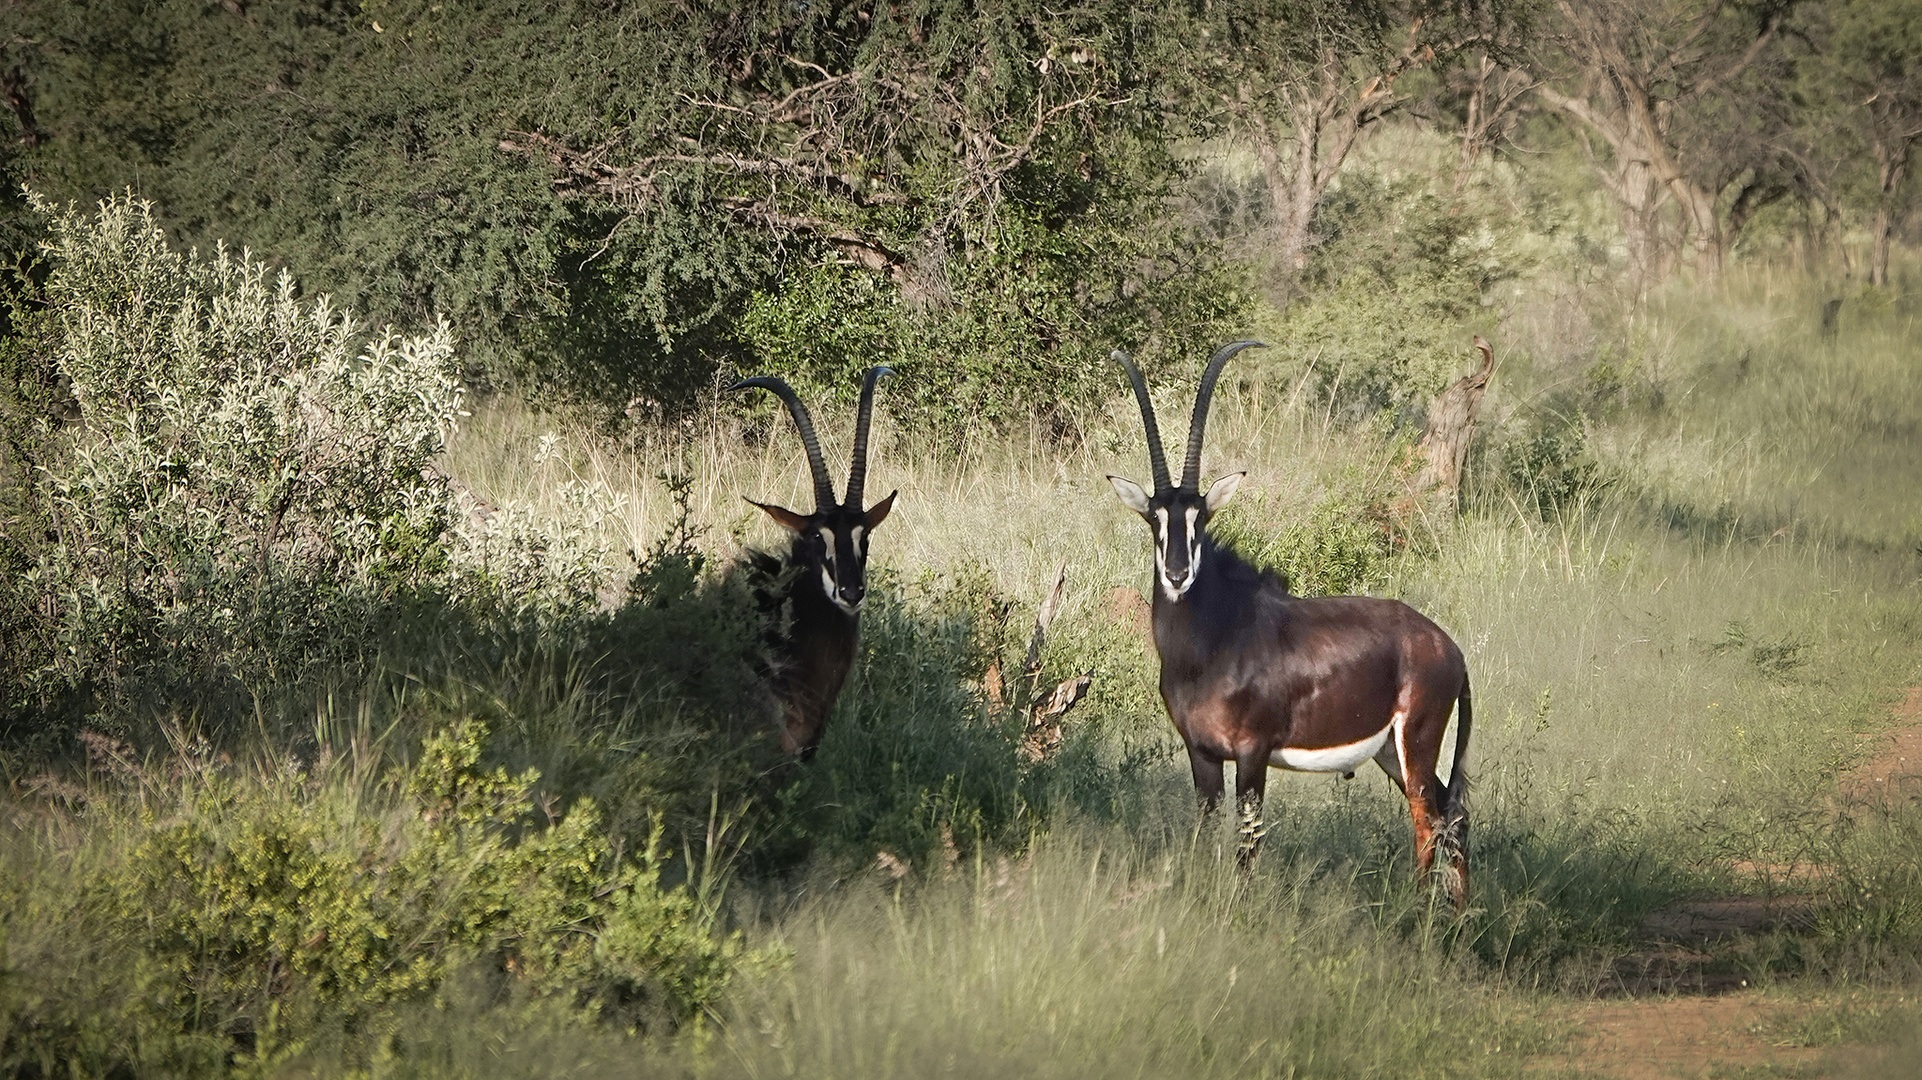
column 1234, row 347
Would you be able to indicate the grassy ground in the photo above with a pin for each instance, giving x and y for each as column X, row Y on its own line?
column 1686, row 579
column 1686, row 582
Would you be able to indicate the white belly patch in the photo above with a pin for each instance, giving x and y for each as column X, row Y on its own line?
column 1331, row 758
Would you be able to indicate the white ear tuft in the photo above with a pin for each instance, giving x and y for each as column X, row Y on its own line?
column 1222, row 490
column 1131, row 494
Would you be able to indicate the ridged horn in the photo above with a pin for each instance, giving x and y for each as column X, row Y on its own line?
column 1156, row 459
column 858, row 472
column 1191, row 467
column 823, row 487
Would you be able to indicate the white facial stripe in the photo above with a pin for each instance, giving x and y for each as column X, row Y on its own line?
column 1333, row 758
column 854, row 536
column 1161, row 553
column 1163, row 540
column 828, row 568
column 1194, row 545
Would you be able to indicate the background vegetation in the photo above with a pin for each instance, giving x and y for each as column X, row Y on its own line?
column 377, row 679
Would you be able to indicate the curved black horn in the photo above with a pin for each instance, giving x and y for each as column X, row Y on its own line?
column 1156, row 459
column 823, row 487
column 1191, row 468
column 858, row 472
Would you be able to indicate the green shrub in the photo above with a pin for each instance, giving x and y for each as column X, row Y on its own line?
column 249, row 501
column 1547, row 465
column 915, row 763
column 1020, row 330
column 1342, row 544
column 247, row 912
column 247, row 488
column 1394, row 297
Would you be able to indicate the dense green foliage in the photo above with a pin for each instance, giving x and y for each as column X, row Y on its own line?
column 615, row 205
column 635, row 196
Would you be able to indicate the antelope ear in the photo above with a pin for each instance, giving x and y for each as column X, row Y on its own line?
column 879, row 511
column 788, row 518
column 1131, row 494
column 1222, row 490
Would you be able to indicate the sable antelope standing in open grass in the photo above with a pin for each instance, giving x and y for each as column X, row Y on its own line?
column 1256, row 676
column 816, row 591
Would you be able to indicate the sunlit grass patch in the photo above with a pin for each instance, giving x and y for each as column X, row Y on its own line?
column 1107, row 953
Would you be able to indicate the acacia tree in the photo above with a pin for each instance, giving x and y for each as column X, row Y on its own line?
column 1640, row 79
column 1487, row 98
column 1868, row 83
column 1302, row 83
column 869, row 127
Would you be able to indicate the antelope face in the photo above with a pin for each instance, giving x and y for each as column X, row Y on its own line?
column 1177, row 517
column 832, row 546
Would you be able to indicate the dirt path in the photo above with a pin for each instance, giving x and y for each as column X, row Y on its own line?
column 1895, row 770
column 1682, row 1038
column 1682, row 1019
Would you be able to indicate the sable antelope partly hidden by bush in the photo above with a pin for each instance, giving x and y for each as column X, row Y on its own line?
column 814, row 594
column 1256, row 676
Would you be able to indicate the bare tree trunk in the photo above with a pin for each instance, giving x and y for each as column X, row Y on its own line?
column 1326, row 128
column 1475, row 125
column 1492, row 106
column 1895, row 162
column 1879, row 253
column 1451, row 426
column 1641, row 199
column 1629, row 179
column 1628, row 96
column 1704, row 227
column 1290, row 206
column 1327, row 114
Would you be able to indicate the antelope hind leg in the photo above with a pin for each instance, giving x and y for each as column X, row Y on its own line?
column 1251, row 782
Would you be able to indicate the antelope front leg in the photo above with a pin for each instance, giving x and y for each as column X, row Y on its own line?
column 1208, row 783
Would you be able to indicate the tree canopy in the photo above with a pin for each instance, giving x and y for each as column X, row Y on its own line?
column 621, row 203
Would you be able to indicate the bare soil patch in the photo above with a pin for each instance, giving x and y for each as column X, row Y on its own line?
column 1682, row 1011
column 1682, row 1038
column 1894, row 770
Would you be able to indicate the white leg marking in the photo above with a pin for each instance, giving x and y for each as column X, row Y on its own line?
column 1401, row 748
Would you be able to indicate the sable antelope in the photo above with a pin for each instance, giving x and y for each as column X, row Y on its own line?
column 1254, row 675
column 819, row 586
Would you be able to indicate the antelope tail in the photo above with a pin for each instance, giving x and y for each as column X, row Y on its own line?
column 1458, row 775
